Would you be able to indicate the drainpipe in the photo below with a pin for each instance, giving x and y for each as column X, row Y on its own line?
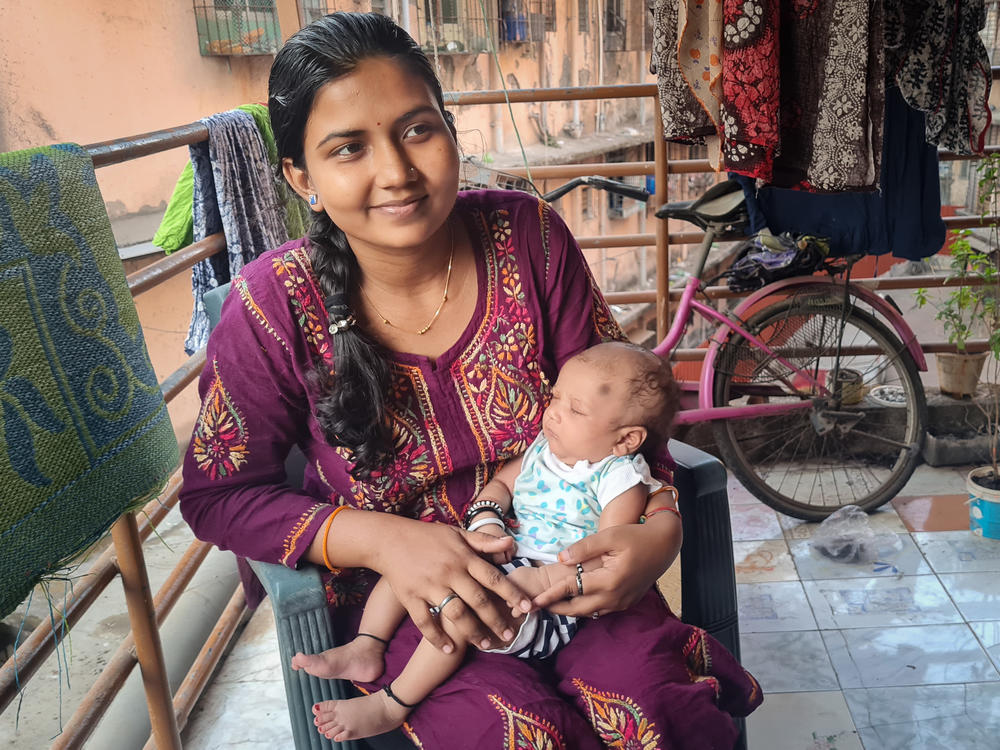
column 599, row 122
column 404, row 16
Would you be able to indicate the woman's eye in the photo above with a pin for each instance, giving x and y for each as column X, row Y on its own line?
column 349, row 149
column 416, row 130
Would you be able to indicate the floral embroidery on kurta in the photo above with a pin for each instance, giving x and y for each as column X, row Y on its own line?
column 524, row 731
column 291, row 540
column 619, row 722
column 219, row 443
column 502, row 388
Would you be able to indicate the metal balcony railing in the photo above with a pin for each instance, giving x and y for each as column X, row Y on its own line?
column 169, row 714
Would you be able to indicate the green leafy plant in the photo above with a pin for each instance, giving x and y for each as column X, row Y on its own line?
column 972, row 310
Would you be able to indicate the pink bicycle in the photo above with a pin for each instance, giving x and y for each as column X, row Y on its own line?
column 811, row 384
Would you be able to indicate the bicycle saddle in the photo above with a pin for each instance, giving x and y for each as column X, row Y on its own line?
column 722, row 204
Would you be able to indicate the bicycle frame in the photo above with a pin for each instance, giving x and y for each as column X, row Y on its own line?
column 705, row 411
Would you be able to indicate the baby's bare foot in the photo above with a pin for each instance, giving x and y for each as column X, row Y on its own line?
column 358, row 717
column 360, row 660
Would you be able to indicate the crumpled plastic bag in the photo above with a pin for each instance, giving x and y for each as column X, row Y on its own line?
column 847, row 536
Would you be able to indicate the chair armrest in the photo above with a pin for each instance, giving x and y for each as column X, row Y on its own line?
column 708, row 577
column 302, row 618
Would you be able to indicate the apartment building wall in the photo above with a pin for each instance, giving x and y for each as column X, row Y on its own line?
column 93, row 70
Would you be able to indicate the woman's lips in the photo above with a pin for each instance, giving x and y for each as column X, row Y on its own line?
column 400, row 209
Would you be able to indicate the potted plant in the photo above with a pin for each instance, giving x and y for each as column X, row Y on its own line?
column 965, row 314
column 968, row 312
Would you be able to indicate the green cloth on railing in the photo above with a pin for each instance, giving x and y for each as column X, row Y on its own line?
column 84, row 431
column 177, row 226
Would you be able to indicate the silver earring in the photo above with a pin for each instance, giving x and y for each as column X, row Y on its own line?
column 313, row 200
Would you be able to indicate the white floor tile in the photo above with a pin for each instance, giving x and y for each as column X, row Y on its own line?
column 988, row 634
column 787, row 662
column 927, row 717
column 753, row 522
column 880, row 602
column 773, row 606
column 977, row 595
column 802, row 721
column 959, row 551
column 763, row 561
column 916, row 655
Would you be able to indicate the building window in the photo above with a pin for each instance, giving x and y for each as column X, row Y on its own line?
column 583, row 16
column 550, row 15
column 614, row 25
column 619, row 206
column 524, row 21
column 310, row 10
column 237, row 27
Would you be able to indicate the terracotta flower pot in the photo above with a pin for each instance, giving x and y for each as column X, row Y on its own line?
column 958, row 374
column 984, row 505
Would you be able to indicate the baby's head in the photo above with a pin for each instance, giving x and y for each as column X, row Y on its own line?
column 613, row 398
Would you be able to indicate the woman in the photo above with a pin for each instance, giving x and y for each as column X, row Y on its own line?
column 407, row 347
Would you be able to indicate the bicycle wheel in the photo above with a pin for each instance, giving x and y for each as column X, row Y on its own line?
column 856, row 446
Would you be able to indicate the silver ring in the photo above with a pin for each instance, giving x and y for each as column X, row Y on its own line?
column 435, row 611
column 579, row 579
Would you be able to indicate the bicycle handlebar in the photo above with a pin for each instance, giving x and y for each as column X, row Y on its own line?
column 601, row 183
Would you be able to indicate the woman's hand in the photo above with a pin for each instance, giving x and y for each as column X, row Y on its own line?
column 497, row 532
column 425, row 563
column 633, row 556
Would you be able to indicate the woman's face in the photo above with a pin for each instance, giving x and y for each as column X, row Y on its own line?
column 379, row 157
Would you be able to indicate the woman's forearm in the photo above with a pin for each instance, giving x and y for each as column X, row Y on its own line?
column 354, row 538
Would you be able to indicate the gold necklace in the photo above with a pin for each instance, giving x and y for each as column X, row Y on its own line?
column 444, row 297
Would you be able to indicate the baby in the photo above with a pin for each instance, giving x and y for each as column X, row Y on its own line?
column 583, row 473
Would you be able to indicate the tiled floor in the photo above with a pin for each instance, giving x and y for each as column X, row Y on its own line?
column 899, row 653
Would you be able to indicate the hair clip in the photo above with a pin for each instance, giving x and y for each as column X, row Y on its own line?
column 341, row 324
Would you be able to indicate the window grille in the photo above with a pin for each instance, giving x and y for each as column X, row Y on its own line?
column 583, row 16
column 619, row 206
column 310, row 10
column 237, row 27
column 458, row 26
column 550, row 15
column 614, row 25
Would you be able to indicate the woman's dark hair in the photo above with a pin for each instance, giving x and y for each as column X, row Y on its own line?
column 350, row 408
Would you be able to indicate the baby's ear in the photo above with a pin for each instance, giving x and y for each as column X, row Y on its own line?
column 629, row 440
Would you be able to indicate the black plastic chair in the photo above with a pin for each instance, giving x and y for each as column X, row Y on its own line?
column 708, row 588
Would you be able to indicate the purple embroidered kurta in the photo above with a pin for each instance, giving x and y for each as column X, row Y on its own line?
column 454, row 421
column 638, row 678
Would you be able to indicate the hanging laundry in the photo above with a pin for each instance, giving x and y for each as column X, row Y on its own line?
column 904, row 218
column 750, row 86
column 935, row 54
column 832, row 96
column 801, row 85
column 176, row 229
column 684, row 117
column 234, row 193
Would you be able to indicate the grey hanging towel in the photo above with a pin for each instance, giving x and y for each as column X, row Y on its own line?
column 234, row 194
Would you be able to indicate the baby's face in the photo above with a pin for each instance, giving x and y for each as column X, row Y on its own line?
column 586, row 414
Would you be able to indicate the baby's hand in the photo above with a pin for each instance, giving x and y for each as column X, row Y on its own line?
column 497, row 558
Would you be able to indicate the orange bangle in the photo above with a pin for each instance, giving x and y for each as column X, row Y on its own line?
column 665, row 488
column 326, row 534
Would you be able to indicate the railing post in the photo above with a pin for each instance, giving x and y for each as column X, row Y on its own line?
column 142, row 618
column 662, row 230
